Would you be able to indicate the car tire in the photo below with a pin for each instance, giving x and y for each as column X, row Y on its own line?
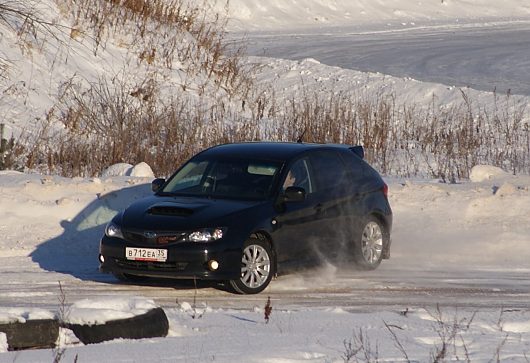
column 152, row 324
column 32, row 334
column 257, row 267
column 369, row 246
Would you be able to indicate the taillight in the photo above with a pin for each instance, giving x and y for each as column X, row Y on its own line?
column 385, row 190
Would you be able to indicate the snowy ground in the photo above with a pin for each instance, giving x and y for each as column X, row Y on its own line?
column 462, row 247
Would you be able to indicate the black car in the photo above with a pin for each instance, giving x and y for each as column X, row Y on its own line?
column 243, row 212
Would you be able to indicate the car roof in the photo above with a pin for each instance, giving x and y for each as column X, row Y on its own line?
column 267, row 150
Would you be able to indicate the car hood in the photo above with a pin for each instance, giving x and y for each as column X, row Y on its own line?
column 167, row 213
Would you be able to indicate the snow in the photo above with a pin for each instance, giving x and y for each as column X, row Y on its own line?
column 299, row 78
column 226, row 335
column 454, row 228
column 99, row 311
column 289, row 14
column 3, row 343
column 21, row 315
column 459, row 264
column 481, row 173
column 141, row 170
column 119, row 169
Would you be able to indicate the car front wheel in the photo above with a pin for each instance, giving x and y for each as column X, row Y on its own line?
column 368, row 249
column 256, row 267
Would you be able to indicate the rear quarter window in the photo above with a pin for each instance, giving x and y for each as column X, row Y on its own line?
column 329, row 170
column 354, row 164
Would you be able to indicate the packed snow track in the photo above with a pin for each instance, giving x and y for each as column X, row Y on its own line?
column 484, row 56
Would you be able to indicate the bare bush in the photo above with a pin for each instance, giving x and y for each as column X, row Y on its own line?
column 13, row 152
column 448, row 331
column 27, row 22
column 113, row 122
column 22, row 17
column 360, row 349
column 267, row 310
column 408, row 140
column 117, row 122
column 396, row 341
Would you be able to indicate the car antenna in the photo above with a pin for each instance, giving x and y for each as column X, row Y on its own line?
column 301, row 137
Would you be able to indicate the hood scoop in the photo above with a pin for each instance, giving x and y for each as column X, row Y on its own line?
column 170, row 211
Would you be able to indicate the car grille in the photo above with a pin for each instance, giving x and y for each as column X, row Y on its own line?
column 134, row 237
column 160, row 239
column 151, row 266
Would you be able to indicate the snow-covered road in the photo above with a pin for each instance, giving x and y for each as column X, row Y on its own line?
column 461, row 245
column 391, row 287
column 484, row 56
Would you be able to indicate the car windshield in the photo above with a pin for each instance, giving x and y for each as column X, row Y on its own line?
column 226, row 178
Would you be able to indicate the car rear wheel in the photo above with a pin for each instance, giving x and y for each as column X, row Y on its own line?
column 257, row 263
column 368, row 251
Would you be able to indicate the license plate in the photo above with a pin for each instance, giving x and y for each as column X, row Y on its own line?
column 145, row 254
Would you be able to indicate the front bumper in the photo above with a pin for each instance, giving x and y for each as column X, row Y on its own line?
column 185, row 260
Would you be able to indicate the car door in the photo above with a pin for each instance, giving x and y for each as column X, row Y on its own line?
column 336, row 198
column 296, row 225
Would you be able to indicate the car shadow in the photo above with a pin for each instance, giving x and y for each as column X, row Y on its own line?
column 75, row 251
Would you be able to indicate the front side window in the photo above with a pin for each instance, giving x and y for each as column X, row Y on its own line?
column 224, row 178
column 299, row 176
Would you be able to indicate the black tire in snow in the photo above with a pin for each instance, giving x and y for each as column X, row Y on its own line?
column 39, row 333
column 152, row 324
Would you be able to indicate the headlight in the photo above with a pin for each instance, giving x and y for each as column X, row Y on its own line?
column 113, row 230
column 206, row 235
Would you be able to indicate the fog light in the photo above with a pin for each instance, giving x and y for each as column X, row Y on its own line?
column 101, row 259
column 213, row 265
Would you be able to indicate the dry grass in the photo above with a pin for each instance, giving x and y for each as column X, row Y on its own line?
column 409, row 140
column 109, row 124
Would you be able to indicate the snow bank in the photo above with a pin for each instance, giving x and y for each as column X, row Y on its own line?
column 119, row 169
column 101, row 310
column 481, row 173
column 298, row 79
column 140, row 170
column 285, row 14
column 3, row 343
column 11, row 315
column 461, row 226
column 315, row 336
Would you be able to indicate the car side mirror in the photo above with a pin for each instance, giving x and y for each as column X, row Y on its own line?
column 157, row 184
column 294, row 194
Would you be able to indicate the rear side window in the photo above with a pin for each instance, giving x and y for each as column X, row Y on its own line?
column 329, row 170
column 353, row 163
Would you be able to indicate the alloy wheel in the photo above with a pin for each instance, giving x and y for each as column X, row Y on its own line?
column 372, row 243
column 256, row 266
